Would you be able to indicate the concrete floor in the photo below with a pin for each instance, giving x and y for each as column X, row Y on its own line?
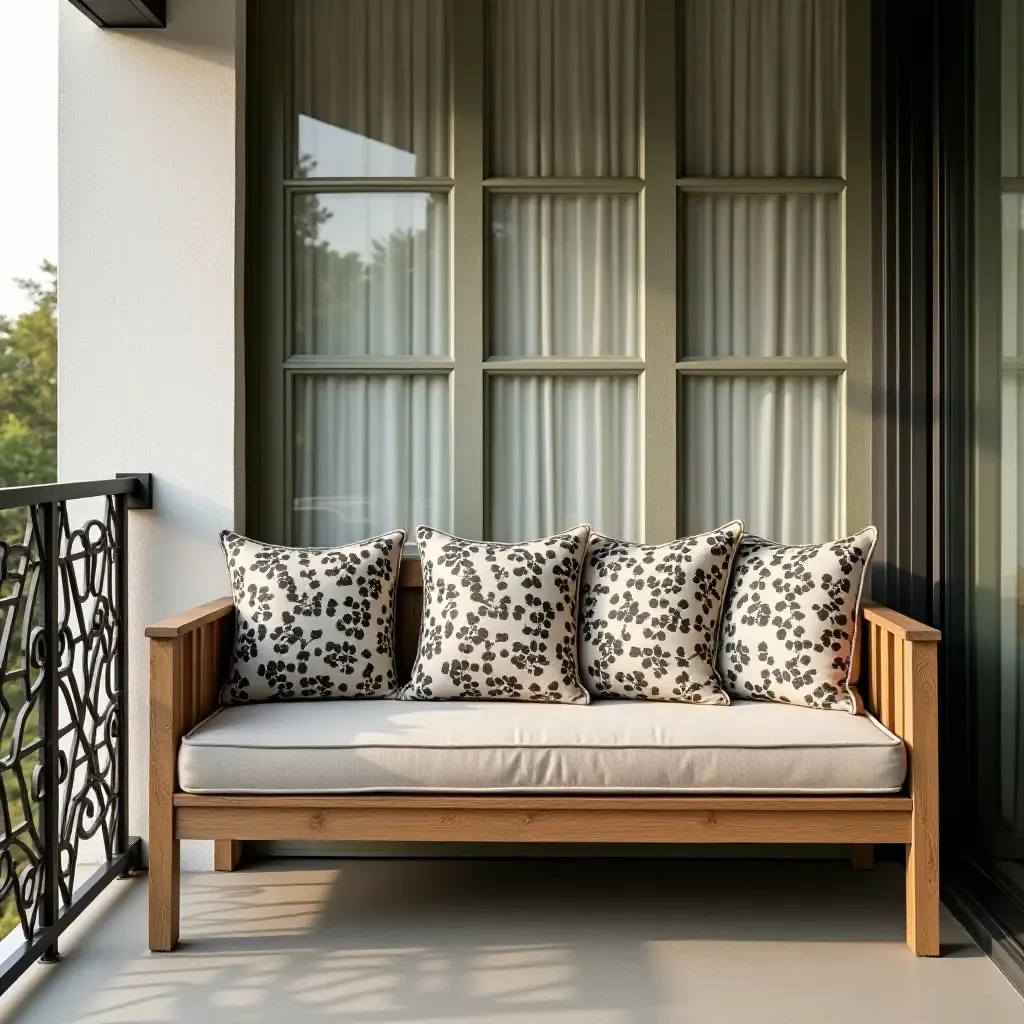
column 503, row 941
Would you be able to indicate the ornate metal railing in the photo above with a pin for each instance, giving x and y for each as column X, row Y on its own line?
column 63, row 710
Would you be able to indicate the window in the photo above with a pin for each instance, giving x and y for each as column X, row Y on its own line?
column 519, row 264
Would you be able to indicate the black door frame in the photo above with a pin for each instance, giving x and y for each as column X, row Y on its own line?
column 924, row 116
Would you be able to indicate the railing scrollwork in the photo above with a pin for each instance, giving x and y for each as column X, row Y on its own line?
column 63, row 706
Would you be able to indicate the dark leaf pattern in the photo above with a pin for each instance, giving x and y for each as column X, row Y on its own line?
column 790, row 621
column 649, row 616
column 313, row 622
column 499, row 620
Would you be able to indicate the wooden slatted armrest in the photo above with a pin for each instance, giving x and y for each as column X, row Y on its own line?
column 188, row 622
column 901, row 691
column 899, row 625
column 188, row 661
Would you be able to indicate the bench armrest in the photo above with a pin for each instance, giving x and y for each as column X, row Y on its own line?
column 899, row 666
column 189, row 656
column 902, row 669
column 188, row 622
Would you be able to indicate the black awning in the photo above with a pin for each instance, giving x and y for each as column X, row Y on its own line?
column 125, row 13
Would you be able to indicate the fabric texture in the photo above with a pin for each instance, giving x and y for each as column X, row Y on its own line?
column 790, row 621
column 499, row 620
column 613, row 746
column 649, row 616
column 563, row 275
column 762, row 87
column 312, row 622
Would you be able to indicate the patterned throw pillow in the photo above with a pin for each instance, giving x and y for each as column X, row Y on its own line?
column 313, row 622
column 649, row 616
column 499, row 620
column 790, row 621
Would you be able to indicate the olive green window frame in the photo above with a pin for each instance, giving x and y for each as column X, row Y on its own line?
column 659, row 369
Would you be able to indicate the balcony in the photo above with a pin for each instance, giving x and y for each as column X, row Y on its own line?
column 540, row 940
column 378, row 937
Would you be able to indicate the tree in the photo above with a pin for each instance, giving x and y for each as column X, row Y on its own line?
column 28, row 394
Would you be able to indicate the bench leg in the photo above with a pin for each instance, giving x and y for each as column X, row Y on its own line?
column 922, row 899
column 166, row 667
column 226, row 854
column 164, row 892
column 921, row 736
column 862, row 855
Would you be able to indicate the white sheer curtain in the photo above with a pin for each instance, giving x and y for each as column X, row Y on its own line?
column 563, row 450
column 760, row 275
column 371, row 86
column 564, row 275
column 763, row 85
column 764, row 449
column 564, row 87
column 371, row 453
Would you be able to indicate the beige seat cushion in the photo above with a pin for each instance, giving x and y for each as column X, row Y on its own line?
column 611, row 746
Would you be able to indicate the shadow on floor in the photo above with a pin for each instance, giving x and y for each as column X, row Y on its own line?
column 559, row 940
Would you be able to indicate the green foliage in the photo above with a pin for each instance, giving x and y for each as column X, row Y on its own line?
column 28, row 394
column 28, row 455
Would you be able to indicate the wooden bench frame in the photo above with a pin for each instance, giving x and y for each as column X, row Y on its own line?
column 188, row 658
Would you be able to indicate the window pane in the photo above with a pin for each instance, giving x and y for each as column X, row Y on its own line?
column 762, row 87
column 371, row 88
column 764, row 450
column 371, row 454
column 371, row 274
column 563, row 451
column 564, row 87
column 564, row 275
column 761, row 275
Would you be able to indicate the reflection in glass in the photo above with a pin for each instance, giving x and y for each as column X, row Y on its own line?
column 371, row 274
column 371, row 454
column 371, row 88
column 761, row 275
column 997, row 546
column 564, row 275
column 563, row 451
column 764, row 450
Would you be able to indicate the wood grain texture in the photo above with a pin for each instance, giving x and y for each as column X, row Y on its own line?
column 227, row 853
column 921, row 737
column 805, row 804
column 165, row 670
column 862, row 856
column 557, row 825
column 188, row 621
column 900, row 625
column 410, row 576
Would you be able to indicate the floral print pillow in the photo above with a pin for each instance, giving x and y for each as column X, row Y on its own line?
column 649, row 616
column 790, row 621
column 499, row 620
column 313, row 622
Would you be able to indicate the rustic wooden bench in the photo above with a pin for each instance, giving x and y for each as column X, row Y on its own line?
column 896, row 662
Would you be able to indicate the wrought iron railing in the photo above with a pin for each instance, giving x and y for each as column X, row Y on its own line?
column 63, row 706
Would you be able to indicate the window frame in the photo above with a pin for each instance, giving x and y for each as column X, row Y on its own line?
column 658, row 368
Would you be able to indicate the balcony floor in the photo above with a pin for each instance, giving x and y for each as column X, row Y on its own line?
column 534, row 941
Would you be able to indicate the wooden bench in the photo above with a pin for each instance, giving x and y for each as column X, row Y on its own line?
column 897, row 665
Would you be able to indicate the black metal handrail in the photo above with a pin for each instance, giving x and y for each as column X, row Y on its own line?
column 63, row 706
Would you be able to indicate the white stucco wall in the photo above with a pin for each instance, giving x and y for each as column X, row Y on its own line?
column 150, row 367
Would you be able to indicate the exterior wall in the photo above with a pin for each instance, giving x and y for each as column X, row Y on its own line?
column 150, row 369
